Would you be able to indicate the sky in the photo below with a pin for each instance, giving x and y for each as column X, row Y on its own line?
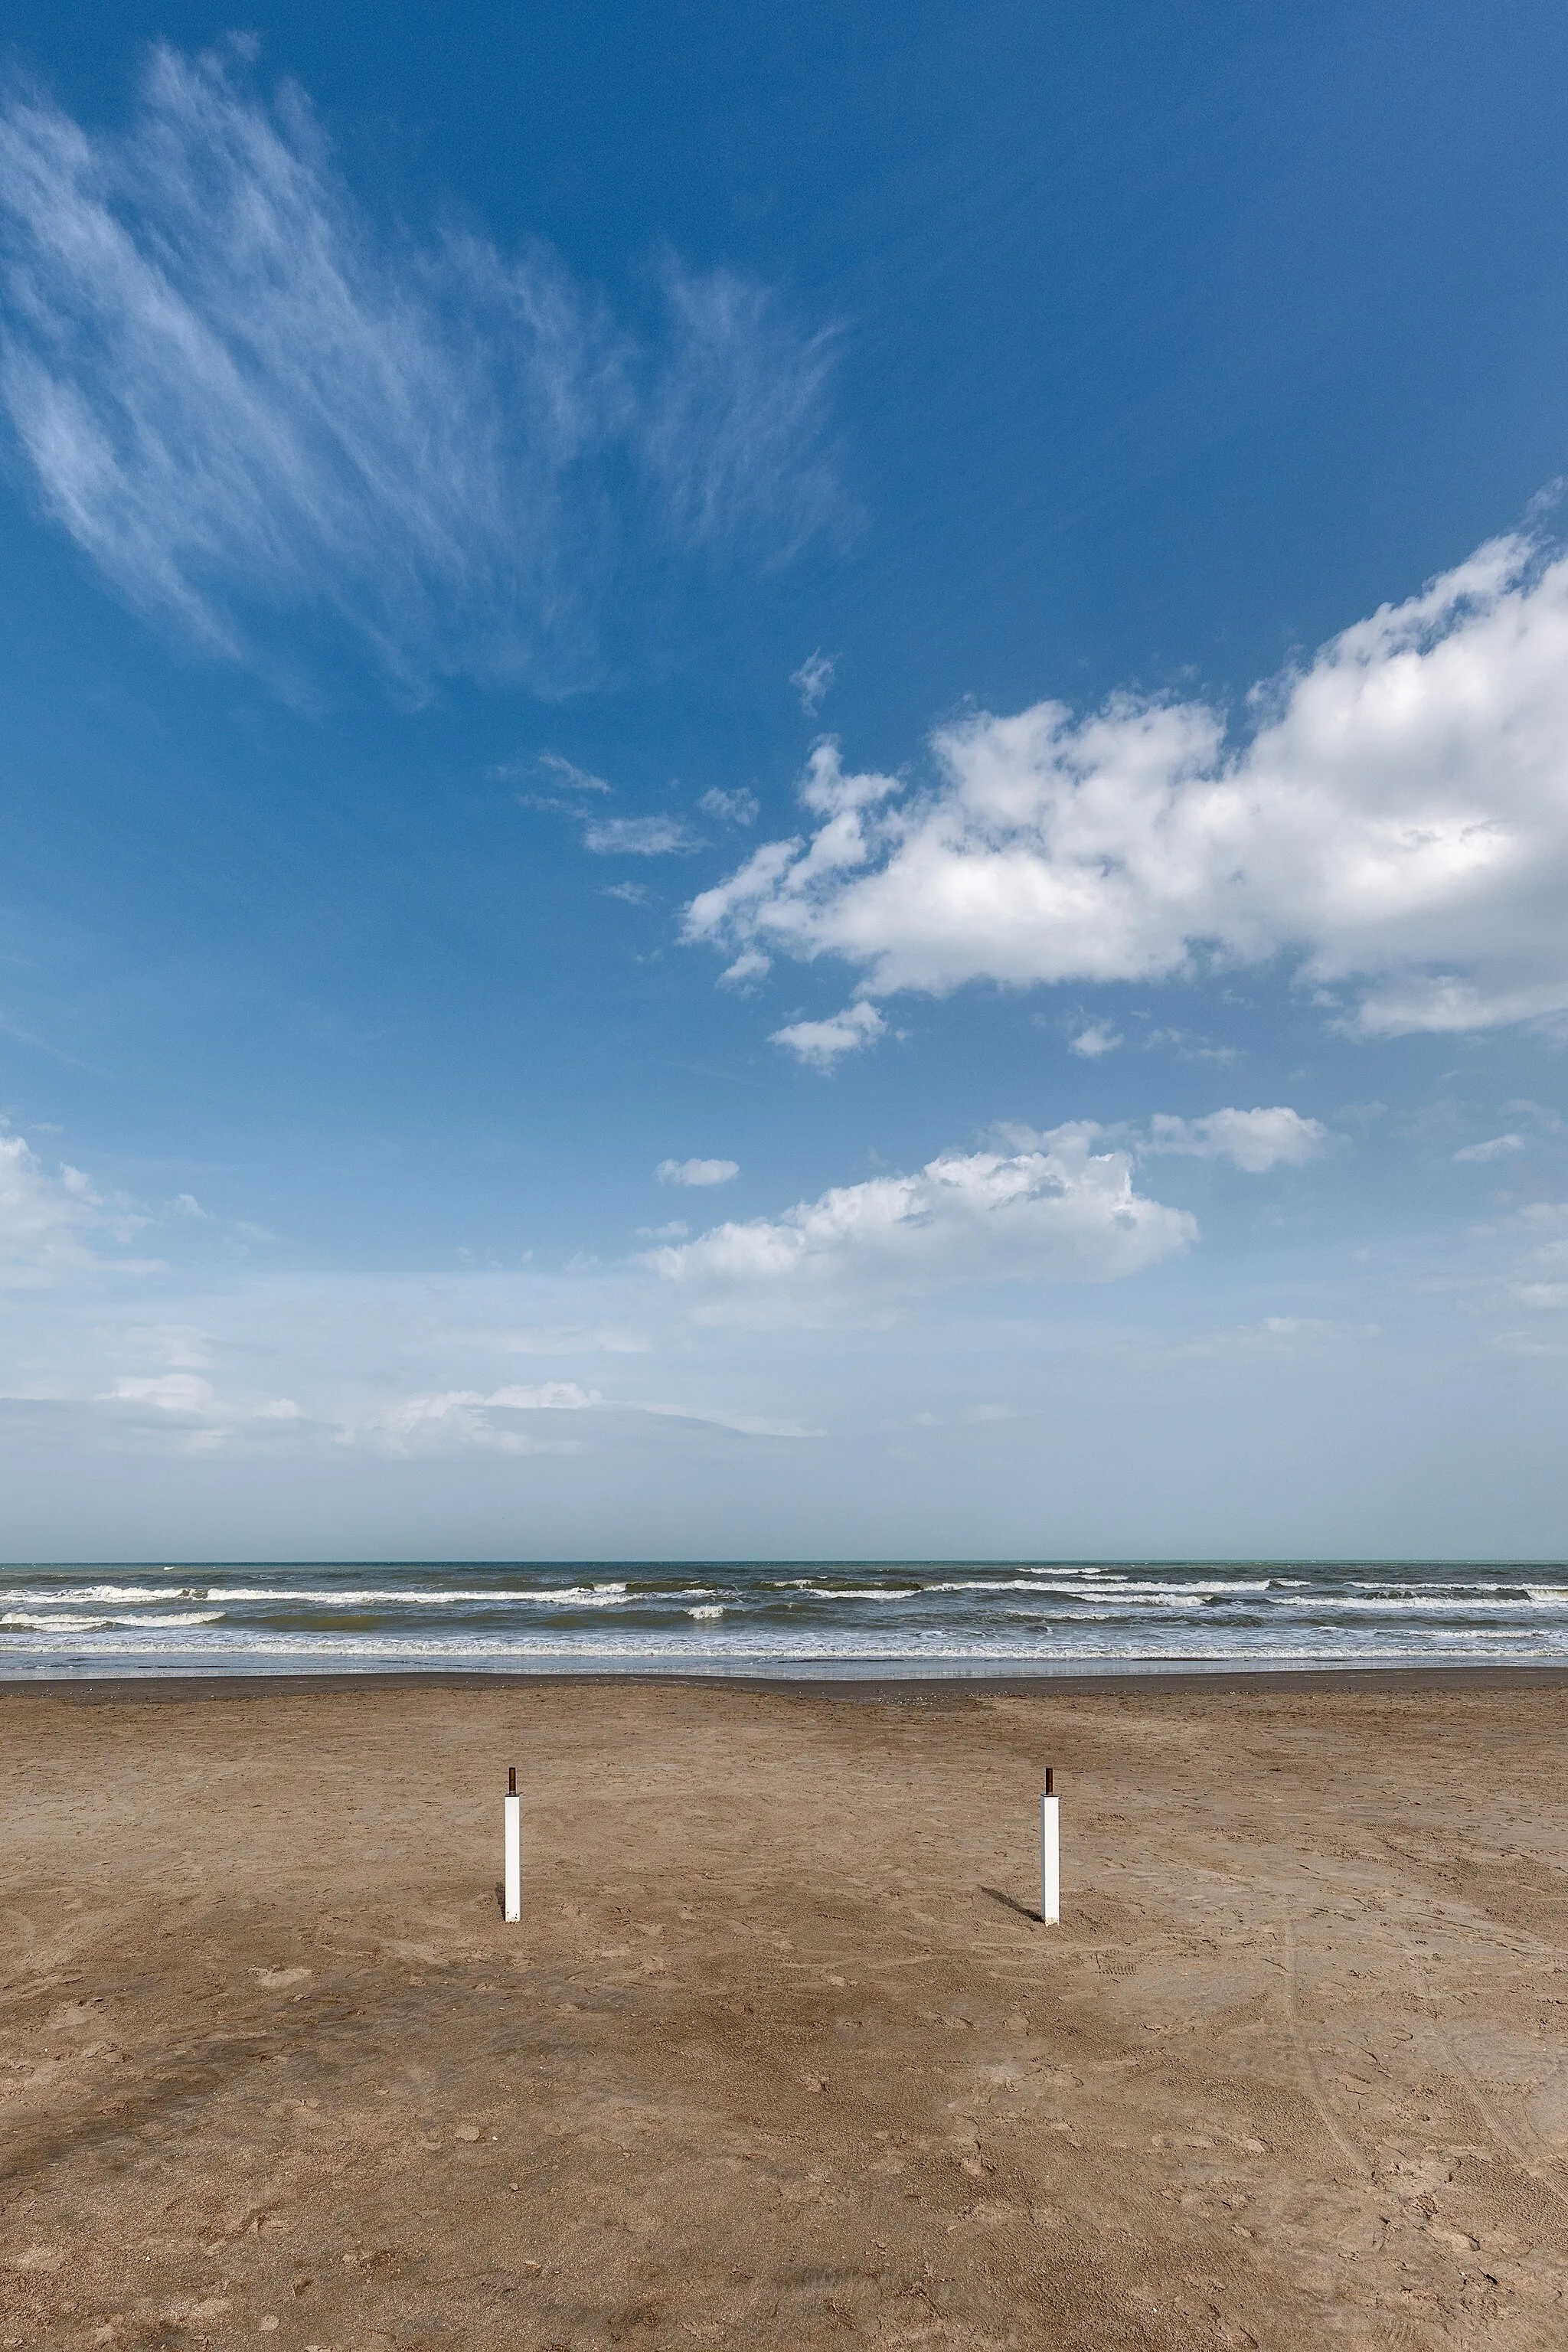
column 783, row 784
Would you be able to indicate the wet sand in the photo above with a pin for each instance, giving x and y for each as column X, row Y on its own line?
column 780, row 2057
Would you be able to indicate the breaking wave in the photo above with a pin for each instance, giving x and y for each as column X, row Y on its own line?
column 949, row 1616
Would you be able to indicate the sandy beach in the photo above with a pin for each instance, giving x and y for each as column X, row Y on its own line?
column 779, row 2056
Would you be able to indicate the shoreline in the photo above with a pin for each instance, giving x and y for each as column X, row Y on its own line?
column 871, row 1687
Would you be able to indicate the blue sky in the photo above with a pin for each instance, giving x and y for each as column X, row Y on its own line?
column 783, row 782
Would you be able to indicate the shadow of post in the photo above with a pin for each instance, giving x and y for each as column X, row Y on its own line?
column 1011, row 1903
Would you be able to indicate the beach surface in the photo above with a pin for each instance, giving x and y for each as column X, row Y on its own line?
column 779, row 2056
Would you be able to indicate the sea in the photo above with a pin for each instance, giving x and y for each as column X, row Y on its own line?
column 779, row 1617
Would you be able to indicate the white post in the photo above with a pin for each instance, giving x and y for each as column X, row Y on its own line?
column 514, row 1848
column 1050, row 1854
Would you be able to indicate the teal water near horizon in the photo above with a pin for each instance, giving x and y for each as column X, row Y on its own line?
column 971, row 1617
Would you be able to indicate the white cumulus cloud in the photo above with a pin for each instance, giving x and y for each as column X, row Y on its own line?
column 1496, row 1147
column 1099, row 1038
column 1391, row 817
column 739, row 807
column 697, row 1171
column 1254, row 1141
column 1542, row 1297
column 821, row 1044
column 201, row 1421
column 444, row 1420
column 49, row 1224
column 1061, row 1211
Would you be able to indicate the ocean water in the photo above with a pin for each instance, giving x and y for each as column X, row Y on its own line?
column 972, row 1617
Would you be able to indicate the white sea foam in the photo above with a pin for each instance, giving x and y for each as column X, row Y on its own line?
column 88, row 1595
column 1525, row 1633
column 407, row 1596
column 1171, row 1645
column 23, row 1620
column 981, row 1617
column 851, row 1591
column 991, row 1584
column 69, row 1621
column 1125, row 1592
column 1411, row 1604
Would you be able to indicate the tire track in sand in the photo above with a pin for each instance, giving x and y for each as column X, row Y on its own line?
column 1307, row 2065
column 1506, row 2138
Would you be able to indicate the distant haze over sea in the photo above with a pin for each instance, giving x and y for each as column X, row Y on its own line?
column 931, row 1617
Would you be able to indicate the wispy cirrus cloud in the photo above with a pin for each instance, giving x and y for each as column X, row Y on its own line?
column 245, row 401
column 1393, row 818
column 505, row 1420
column 640, row 837
column 812, row 681
column 662, row 834
column 734, row 433
column 572, row 778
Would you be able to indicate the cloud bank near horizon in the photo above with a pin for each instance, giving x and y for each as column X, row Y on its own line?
column 1039, row 1275
column 1056, row 1206
column 1392, row 820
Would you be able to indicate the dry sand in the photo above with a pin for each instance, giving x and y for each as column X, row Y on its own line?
column 778, row 2058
